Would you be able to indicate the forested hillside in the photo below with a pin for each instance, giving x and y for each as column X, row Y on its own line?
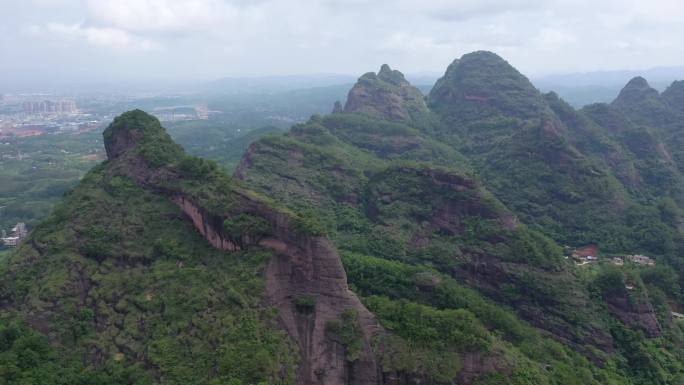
column 400, row 239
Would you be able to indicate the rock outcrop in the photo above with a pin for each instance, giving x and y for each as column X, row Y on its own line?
column 303, row 266
column 387, row 95
column 636, row 314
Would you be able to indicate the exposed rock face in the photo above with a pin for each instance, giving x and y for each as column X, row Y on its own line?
column 121, row 139
column 303, row 266
column 476, row 364
column 491, row 276
column 313, row 268
column 387, row 95
column 207, row 225
column 639, row 315
column 337, row 107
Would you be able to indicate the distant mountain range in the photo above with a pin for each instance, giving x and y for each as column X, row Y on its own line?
column 584, row 88
column 578, row 89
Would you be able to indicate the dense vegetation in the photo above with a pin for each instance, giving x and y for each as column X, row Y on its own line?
column 129, row 292
column 395, row 191
column 35, row 172
column 450, row 221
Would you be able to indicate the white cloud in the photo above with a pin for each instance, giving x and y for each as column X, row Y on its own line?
column 235, row 37
column 550, row 38
column 110, row 38
column 157, row 15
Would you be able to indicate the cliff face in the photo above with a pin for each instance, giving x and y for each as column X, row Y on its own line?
column 304, row 268
column 637, row 315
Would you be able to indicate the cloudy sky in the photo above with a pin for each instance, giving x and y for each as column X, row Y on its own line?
column 69, row 40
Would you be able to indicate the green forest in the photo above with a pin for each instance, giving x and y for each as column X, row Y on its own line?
column 404, row 238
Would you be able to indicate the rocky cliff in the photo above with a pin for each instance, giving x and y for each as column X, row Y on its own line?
column 304, row 268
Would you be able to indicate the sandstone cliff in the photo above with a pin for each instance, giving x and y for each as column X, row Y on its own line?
column 304, row 267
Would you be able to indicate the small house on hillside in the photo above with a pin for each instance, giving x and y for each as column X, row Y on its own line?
column 586, row 254
column 641, row 260
column 19, row 232
column 586, row 251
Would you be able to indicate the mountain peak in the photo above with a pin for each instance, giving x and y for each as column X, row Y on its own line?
column 139, row 133
column 484, row 55
column 674, row 95
column 127, row 130
column 638, row 82
column 385, row 68
column 481, row 84
column 636, row 92
column 386, row 94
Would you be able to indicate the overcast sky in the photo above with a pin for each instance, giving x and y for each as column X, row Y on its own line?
column 70, row 40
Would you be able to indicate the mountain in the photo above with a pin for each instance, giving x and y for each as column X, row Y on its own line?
column 125, row 278
column 523, row 150
column 581, row 89
column 674, row 95
column 401, row 239
column 658, row 75
column 481, row 84
column 387, row 95
column 340, row 168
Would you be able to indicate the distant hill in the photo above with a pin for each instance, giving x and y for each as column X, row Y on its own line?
column 580, row 89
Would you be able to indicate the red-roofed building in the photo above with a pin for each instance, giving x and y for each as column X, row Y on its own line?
column 587, row 253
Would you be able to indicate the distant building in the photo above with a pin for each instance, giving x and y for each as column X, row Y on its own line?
column 49, row 107
column 586, row 251
column 618, row 261
column 19, row 232
column 586, row 254
column 641, row 260
column 202, row 112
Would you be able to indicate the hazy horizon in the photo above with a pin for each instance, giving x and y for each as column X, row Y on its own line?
column 109, row 41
